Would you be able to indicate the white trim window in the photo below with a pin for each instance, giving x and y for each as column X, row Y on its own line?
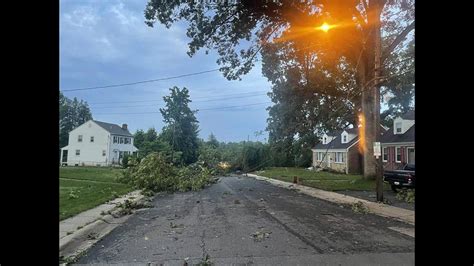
column 398, row 127
column 115, row 139
column 339, row 158
column 319, row 156
column 344, row 139
column 398, row 154
column 385, row 154
column 78, row 152
column 121, row 140
column 103, row 152
column 92, row 138
column 79, row 138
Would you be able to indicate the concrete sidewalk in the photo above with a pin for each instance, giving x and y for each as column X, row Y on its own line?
column 384, row 210
column 78, row 233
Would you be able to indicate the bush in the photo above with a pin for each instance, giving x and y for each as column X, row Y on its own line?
column 154, row 174
column 125, row 160
column 407, row 195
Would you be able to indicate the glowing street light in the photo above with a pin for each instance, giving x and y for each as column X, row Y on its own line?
column 325, row 27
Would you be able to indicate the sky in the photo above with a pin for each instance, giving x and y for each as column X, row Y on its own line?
column 107, row 42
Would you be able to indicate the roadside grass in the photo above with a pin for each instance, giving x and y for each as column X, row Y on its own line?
column 83, row 188
column 104, row 174
column 322, row 180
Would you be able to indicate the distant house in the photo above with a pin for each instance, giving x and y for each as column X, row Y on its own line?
column 398, row 143
column 339, row 152
column 97, row 143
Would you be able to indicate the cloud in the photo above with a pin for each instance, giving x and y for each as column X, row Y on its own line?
column 82, row 17
column 107, row 42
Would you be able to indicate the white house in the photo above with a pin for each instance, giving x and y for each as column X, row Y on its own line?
column 97, row 143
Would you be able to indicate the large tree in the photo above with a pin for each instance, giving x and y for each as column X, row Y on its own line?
column 72, row 113
column 365, row 34
column 181, row 129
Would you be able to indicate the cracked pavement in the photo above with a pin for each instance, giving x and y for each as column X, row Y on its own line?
column 241, row 220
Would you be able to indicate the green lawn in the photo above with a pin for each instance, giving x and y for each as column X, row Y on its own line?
column 321, row 180
column 82, row 188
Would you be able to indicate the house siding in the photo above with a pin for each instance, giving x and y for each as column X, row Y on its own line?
column 90, row 152
column 340, row 167
column 391, row 163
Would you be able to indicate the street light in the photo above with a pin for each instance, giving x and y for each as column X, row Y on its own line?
column 325, row 27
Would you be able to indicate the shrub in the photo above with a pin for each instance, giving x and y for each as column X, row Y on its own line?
column 407, row 195
column 125, row 160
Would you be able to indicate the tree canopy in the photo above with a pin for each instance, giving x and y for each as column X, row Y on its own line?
column 181, row 129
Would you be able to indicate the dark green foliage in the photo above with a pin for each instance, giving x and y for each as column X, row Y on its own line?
column 181, row 130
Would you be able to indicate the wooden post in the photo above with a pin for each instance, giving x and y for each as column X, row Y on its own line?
column 296, row 180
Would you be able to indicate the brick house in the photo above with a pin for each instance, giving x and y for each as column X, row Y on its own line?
column 398, row 143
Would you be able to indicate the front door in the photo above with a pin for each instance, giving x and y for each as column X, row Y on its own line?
column 411, row 155
column 64, row 160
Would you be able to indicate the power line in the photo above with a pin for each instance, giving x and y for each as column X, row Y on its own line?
column 143, row 81
column 209, row 100
column 226, row 107
column 206, row 109
column 250, row 93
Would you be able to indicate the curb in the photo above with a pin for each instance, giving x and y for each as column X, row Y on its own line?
column 73, row 245
column 400, row 214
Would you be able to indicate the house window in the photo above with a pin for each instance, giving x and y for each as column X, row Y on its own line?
column 344, row 138
column 320, row 156
column 115, row 139
column 103, row 152
column 79, row 138
column 339, row 157
column 78, row 152
column 127, row 140
column 92, row 138
column 398, row 154
column 121, row 140
column 324, row 140
column 398, row 127
column 385, row 154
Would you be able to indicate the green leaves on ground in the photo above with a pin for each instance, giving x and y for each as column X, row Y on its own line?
column 154, row 174
column 407, row 195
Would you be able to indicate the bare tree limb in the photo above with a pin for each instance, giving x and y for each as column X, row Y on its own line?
column 397, row 40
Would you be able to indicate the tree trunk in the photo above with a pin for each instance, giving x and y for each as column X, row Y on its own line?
column 368, row 107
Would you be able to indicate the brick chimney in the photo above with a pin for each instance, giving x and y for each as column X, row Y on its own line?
column 124, row 126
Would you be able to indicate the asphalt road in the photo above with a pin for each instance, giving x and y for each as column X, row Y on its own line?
column 243, row 221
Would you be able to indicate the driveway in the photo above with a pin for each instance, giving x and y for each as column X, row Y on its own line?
column 241, row 220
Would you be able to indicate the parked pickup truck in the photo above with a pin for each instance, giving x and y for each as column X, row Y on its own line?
column 401, row 178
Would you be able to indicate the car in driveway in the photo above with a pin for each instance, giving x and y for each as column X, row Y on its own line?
column 400, row 178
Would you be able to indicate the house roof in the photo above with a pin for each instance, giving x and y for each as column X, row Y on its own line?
column 335, row 144
column 410, row 115
column 353, row 130
column 113, row 128
column 389, row 137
